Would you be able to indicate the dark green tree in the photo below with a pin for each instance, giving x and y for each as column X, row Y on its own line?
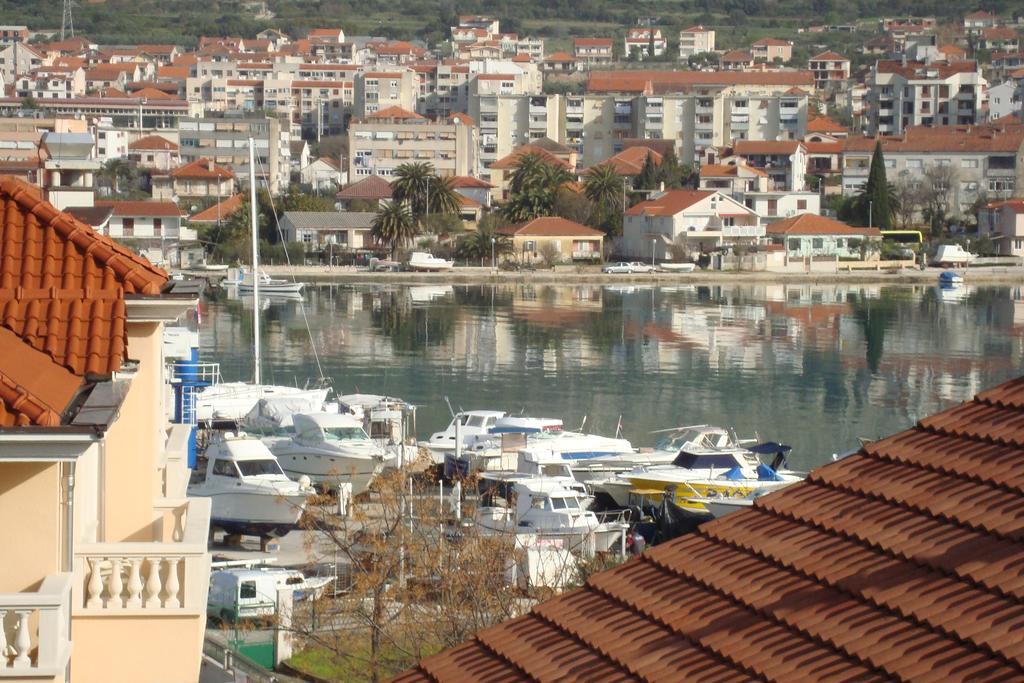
column 876, row 207
column 393, row 226
column 649, row 177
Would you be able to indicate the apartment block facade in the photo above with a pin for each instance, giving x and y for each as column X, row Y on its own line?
column 380, row 143
column 225, row 142
column 695, row 40
column 902, row 94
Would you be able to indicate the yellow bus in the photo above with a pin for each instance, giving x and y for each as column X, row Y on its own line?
column 909, row 237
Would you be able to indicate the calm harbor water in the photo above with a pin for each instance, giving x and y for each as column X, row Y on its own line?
column 811, row 366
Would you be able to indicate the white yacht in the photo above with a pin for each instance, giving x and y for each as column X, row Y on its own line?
column 234, row 400
column 242, row 278
column 250, row 493
column 389, row 421
column 329, row 448
column 471, row 423
column 543, row 506
column 425, row 261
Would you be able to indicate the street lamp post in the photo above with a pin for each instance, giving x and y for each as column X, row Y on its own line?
column 871, row 209
column 492, row 253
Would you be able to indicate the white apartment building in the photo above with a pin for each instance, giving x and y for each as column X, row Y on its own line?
column 830, row 69
column 982, row 160
column 378, row 90
column 1005, row 99
column 917, row 94
column 506, row 122
column 392, row 137
column 590, row 52
column 640, row 42
column 695, row 40
column 225, row 142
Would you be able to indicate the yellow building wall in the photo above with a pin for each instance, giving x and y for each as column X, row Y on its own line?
column 30, row 507
column 520, row 253
column 135, row 649
column 134, row 443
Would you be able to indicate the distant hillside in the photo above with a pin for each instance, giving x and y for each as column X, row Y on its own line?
column 182, row 21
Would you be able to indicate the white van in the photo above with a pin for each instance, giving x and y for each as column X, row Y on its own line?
column 246, row 593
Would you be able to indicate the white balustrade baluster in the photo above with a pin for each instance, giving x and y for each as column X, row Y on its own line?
column 172, row 585
column 22, row 640
column 95, row 585
column 179, row 524
column 153, row 587
column 135, row 583
column 3, row 639
column 115, row 585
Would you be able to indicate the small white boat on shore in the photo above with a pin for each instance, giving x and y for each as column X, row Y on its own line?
column 427, row 262
column 470, row 423
column 680, row 267
column 242, row 279
column 249, row 492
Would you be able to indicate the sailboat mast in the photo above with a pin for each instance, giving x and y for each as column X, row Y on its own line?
column 253, row 211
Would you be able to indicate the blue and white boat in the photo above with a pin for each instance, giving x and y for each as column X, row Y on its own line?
column 950, row 278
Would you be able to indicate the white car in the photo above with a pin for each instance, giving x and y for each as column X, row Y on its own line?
column 628, row 267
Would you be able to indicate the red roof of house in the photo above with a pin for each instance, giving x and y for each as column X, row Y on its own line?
column 630, row 161
column 62, row 288
column 592, row 42
column 512, row 160
column 465, row 181
column 371, row 187
column 999, row 33
column 899, row 562
column 773, row 42
column 737, row 56
column 551, row 226
column 202, row 168
column 669, row 204
column 823, row 124
column 812, row 224
column 1016, row 205
column 727, row 170
column 1007, row 136
column 560, row 57
column 219, row 211
column 154, row 209
column 396, row 113
column 153, row 142
column 679, row 81
column 744, row 147
column 828, row 56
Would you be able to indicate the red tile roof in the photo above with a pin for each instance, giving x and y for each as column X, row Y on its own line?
column 62, row 307
column 823, row 124
column 829, row 56
column 812, row 224
column 900, row 562
column 680, row 81
column 395, row 113
column 592, row 42
column 669, row 204
column 153, row 142
column 141, row 208
column 511, row 161
column 551, row 226
column 630, row 161
column 220, row 211
column 202, row 169
column 461, row 181
column 743, row 147
column 1007, row 136
column 728, row 170
column 372, row 187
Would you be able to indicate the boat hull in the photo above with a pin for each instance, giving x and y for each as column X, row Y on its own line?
column 329, row 469
column 258, row 513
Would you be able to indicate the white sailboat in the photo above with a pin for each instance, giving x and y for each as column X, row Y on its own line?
column 233, row 400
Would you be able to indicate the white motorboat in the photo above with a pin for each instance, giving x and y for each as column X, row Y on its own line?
column 250, row 493
column 681, row 267
column 543, row 506
column 720, row 507
column 389, row 421
column 329, row 448
column 697, row 455
column 425, row 261
column 234, row 400
column 471, row 423
column 267, row 285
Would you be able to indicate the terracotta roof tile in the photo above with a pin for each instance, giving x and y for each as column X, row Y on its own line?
column 156, row 142
column 202, row 169
column 372, row 187
column 630, row 161
column 512, row 160
column 669, row 204
column 813, row 224
column 552, row 226
column 904, row 561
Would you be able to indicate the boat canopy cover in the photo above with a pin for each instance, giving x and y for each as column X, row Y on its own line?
column 275, row 413
column 735, row 474
column 765, row 473
column 770, row 448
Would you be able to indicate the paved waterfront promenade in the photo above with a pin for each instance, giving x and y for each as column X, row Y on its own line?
column 1004, row 275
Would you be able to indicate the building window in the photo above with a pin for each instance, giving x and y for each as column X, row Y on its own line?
column 529, row 245
column 158, row 227
column 801, row 204
column 968, row 163
column 913, row 163
column 794, row 244
column 128, row 227
column 817, row 243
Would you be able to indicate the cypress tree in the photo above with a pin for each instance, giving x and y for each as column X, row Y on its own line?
column 877, row 193
column 649, row 177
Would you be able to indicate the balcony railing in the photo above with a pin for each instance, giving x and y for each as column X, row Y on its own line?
column 165, row 577
column 34, row 630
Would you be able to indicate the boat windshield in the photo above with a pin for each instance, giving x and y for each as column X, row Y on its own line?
column 704, row 462
column 254, row 468
column 345, row 434
column 476, row 421
column 698, row 438
column 569, row 503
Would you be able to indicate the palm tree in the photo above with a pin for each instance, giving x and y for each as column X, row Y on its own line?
column 443, row 197
column 604, row 186
column 527, row 173
column 528, row 204
column 393, row 226
column 116, row 170
column 412, row 185
column 477, row 244
column 551, row 177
